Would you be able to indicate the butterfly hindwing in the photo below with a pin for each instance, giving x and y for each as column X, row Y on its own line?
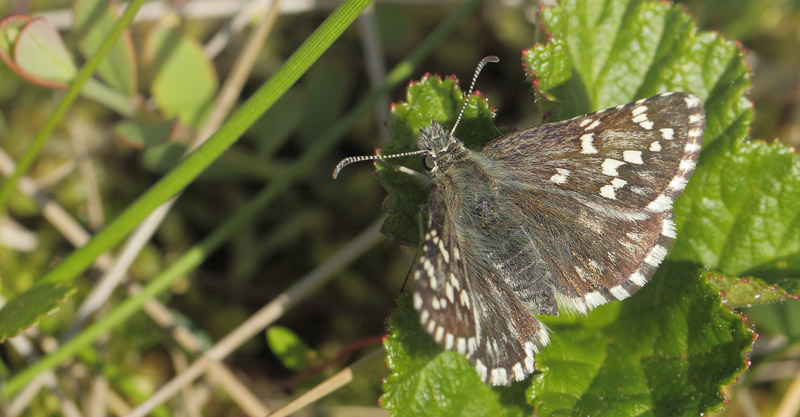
column 469, row 311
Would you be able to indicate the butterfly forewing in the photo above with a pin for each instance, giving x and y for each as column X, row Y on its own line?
column 634, row 156
column 570, row 214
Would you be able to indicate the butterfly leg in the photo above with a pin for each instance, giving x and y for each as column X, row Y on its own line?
column 420, row 209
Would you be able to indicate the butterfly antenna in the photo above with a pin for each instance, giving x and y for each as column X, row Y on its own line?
column 347, row 161
column 484, row 61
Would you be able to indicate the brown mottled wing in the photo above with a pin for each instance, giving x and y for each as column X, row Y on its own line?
column 595, row 195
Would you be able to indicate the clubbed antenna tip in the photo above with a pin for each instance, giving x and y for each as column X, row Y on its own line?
column 484, row 61
column 349, row 160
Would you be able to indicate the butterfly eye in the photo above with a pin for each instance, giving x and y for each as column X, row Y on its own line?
column 427, row 162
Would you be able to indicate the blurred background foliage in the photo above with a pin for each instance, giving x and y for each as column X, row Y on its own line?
column 317, row 216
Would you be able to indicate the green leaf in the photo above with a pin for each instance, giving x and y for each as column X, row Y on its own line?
column 41, row 55
column 739, row 214
column 184, row 79
column 430, row 99
column 664, row 351
column 290, row 349
column 141, row 134
column 32, row 305
column 9, row 32
column 94, row 20
column 427, row 381
column 745, row 292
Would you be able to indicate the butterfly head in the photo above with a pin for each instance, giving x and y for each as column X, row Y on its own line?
column 438, row 146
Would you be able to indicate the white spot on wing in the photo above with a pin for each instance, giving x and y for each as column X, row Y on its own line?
column 454, row 281
column 571, row 303
column 638, row 279
column 519, row 374
column 656, row 255
column 647, row 125
column 448, row 341
column 668, row 228
column 561, row 176
column 639, row 110
column 692, row 101
column 607, row 191
column 587, row 145
column 686, row 165
column 618, row 183
column 431, row 272
column 619, row 292
column 499, row 376
column 655, row 146
column 694, row 118
column 634, row 157
column 667, row 133
column 640, row 118
column 610, row 166
column 443, row 251
column 529, row 350
column 594, row 299
column 417, row 301
column 660, row 204
column 678, row 183
column 481, row 369
column 593, row 125
column 543, row 337
column 691, row 147
column 585, row 122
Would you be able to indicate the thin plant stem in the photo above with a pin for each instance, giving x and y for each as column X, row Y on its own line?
column 340, row 379
column 790, row 404
column 263, row 317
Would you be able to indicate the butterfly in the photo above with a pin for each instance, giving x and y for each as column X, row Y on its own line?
column 567, row 215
